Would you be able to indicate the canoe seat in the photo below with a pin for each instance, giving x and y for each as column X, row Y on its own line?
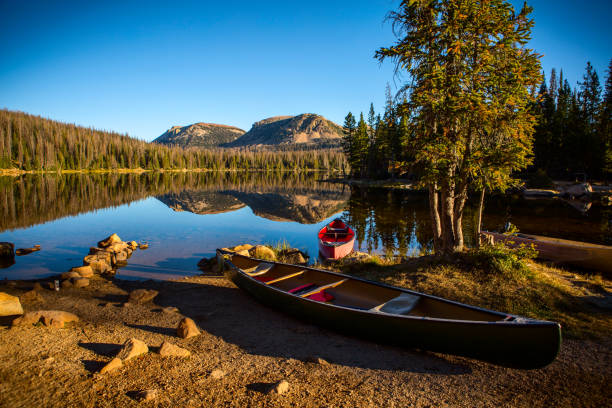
column 400, row 305
column 262, row 268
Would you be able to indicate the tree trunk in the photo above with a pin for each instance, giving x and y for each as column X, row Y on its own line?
column 477, row 227
column 434, row 211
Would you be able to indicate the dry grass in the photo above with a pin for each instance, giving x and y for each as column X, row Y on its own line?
column 581, row 303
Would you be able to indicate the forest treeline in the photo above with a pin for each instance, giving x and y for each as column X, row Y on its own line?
column 32, row 199
column 29, row 142
column 572, row 138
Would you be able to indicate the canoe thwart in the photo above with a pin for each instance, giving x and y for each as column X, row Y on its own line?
column 282, row 278
column 320, row 288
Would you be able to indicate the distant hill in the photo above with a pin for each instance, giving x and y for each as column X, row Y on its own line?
column 307, row 129
column 199, row 135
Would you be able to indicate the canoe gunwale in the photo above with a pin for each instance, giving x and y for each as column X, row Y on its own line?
column 519, row 321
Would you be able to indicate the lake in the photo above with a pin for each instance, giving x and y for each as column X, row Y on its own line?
column 186, row 216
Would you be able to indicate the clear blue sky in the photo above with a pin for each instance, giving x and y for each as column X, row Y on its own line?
column 142, row 67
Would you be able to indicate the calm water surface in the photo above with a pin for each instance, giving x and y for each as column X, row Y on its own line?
column 185, row 217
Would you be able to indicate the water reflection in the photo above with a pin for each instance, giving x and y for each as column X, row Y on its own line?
column 185, row 216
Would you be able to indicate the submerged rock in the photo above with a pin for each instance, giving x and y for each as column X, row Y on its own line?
column 132, row 348
column 26, row 251
column 187, row 328
column 54, row 318
column 9, row 305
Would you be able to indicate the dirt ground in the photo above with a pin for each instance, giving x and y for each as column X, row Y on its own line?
column 256, row 346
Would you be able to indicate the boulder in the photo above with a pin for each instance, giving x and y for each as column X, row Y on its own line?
column 142, row 295
column 100, row 266
column 83, row 271
column 54, row 318
column 262, row 252
column 70, row 275
column 26, row 251
column 243, row 252
column 31, row 296
column 9, row 305
column 168, row 349
column 112, row 365
column 242, row 247
column 7, row 254
column 187, row 328
column 120, row 257
column 80, row 282
column 293, row 256
column 280, row 387
column 132, row 348
column 112, row 239
column 133, row 245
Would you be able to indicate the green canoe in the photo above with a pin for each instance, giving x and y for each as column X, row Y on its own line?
column 394, row 315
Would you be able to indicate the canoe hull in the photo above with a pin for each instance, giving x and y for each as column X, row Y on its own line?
column 336, row 251
column 520, row 345
column 582, row 255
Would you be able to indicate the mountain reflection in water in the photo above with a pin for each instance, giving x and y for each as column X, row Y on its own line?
column 186, row 215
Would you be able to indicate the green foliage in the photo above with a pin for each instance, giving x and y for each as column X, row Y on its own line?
column 30, row 142
column 502, row 260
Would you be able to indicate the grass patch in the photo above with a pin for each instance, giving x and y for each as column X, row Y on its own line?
column 506, row 280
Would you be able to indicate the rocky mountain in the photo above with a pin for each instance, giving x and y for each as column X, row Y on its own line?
column 200, row 135
column 306, row 128
column 201, row 202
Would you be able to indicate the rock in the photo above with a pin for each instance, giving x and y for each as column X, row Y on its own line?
column 9, row 305
column 112, row 239
column 117, row 247
column 217, row 374
column 317, row 360
column 31, row 296
column 66, row 284
column 279, row 387
column 26, row 251
column 7, row 254
column 50, row 285
column 133, row 244
column 142, row 295
column 100, row 266
column 242, row 247
column 143, row 246
column 132, row 348
column 170, row 350
column 170, row 309
column 83, row 271
column 80, row 282
column 70, row 275
column 120, row 257
column 112, row 365
column 578, row 190
column 293, row 256
column 262, row 252
column 55, row 318
column 147, row 395
column 243, row 252
column 187, row 328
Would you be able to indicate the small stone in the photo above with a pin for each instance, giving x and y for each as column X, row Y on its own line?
column 83, row 271
column 66, row 284
column 317, row 360
column 70, row 275
column 147, row 395
column 170, row 309
column 187, row 328
column 112, row 365
column 143, row 246
column 112, row 239
column 54, row 318
column 132, row 348
column 279, row 387
column 80, row 282
column 217, row 374
column 168, row 349
column 126, row 304
column 142, row 295
column 31, row 296
column 133, row 244
column 9, row 305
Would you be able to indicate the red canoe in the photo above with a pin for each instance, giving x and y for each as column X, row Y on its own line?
column 336, row 240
